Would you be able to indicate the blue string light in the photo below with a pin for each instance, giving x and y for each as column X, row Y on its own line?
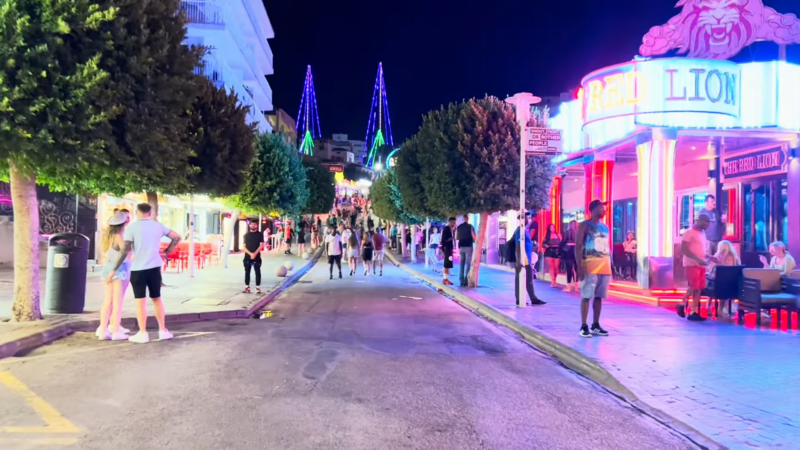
column 375, row 125
column 308, row 116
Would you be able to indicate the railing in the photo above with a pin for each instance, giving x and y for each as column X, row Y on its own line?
column 213, row 12
column 221, row 74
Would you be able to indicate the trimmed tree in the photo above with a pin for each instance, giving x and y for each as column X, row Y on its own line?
column 153, row 88
column 476, row 146
column 51, row 103
column 321, row 187
column 224, row 142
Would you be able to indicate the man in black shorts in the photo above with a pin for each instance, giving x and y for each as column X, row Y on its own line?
column 143, row 237
column 333, row 245
column 448, row 244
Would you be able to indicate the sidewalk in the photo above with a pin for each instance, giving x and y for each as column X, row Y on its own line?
column 214, row 292
column 735, row 385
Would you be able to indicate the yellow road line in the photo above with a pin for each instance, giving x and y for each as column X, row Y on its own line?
column 55, row 422
column 37, row 441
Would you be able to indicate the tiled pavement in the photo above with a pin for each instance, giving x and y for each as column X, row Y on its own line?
column 739, row 386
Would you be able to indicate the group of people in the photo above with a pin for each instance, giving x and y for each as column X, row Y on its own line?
column 134, row 257
column 368, row 245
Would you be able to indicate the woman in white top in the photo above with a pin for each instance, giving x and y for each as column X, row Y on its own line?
column 116, row 283
column 435, row 238
column 781, row 259
column 353, row 248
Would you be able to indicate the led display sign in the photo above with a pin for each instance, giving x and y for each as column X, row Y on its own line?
column 662, row 91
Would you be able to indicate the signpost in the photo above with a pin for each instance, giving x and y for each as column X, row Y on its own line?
column 543, row 142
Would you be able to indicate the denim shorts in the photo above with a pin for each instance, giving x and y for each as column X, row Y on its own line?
column 595, row 286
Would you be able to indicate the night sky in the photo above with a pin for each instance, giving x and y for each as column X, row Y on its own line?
column 439, row 51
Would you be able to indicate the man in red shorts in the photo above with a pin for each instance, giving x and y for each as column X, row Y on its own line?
column 693, row 249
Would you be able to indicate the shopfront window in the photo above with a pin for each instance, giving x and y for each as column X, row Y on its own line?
column 765, row 215
column 569, row 216
column 624, row 219
column 689, row 206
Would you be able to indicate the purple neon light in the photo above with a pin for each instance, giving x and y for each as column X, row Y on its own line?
column 306, row 114
column 302, row 102
column 316, row 111
column 386, row 107
column 367, row 143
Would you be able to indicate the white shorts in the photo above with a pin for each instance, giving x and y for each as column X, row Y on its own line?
column 352, row 253
column 377, row 255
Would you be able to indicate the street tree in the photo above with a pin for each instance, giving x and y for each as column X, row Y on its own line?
column 321, row 187
column 223, row 141
column 52, row 102
column 476, row 147
column 275, row 181
column 407, row 178
column 152, row 87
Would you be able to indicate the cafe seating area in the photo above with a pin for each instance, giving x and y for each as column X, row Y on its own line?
column 205, row 254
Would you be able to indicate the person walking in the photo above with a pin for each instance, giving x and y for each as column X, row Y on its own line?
column 594, row 267
column 465, row 234
column 379, row 244
column 525, row 263
column 301, row 239
column 253, row 246
column 366, row 252
column 143, row 237
column 288, row 234
column 552, row 253
column 695, row 260
column 333, row 246
column 568, row 255
column 448, row 245
column 346, row 233
column 116, row 282
column 353, row 249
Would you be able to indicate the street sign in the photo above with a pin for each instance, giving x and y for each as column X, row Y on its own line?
column 336, row 168
column 543, row 142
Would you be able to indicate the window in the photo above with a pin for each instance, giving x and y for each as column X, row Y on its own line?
column 690, row 206
column 765, row 214
column 624, row 219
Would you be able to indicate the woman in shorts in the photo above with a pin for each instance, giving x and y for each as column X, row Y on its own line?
column 353, row 247
column 366, row 252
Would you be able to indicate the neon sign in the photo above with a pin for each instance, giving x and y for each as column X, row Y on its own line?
column 758, row 163
column 658, row 91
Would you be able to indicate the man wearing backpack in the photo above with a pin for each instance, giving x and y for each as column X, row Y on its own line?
column 523, row 262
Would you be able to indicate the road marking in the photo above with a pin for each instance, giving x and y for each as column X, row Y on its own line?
column 54, row 421
column 40, row 441
column 112, row 345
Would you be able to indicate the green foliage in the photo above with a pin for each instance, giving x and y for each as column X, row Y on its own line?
column 224, row 142
column 465, row 159
column 51, row 88
column 276, row 179
column 387, row 201
column 321, row 188
column 151, row 86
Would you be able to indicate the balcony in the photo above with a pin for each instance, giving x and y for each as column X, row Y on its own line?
column 222, row 75
column 212, row 12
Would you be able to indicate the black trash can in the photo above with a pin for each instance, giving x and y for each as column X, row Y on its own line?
column 65, row 289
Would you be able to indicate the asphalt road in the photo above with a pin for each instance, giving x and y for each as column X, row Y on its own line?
column 360, row 363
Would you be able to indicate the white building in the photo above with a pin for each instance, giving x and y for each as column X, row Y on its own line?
column 236, row 32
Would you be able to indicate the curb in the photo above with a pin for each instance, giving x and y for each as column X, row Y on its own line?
column 569, row 357
column 64, row 327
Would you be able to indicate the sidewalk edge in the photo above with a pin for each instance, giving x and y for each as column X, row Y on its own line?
column 571, row 358
column 65, row 327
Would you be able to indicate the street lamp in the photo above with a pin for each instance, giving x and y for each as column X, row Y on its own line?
column 379, row 166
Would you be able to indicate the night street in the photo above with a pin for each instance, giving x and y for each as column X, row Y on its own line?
column 359, row 363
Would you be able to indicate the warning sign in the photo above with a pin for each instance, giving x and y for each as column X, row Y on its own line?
column 543, row 142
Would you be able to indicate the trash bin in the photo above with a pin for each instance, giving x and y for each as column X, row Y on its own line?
column 65, row 289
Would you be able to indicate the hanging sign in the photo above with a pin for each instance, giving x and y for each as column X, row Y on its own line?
column 759, row 163
column 543, row 141
column 336, row 168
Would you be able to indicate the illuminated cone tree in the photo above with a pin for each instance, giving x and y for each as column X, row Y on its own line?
column 308, row 118
column 379, row 126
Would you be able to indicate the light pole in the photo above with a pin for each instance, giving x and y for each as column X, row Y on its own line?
column 522, row 103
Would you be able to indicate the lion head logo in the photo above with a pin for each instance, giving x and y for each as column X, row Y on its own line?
column 719, row 29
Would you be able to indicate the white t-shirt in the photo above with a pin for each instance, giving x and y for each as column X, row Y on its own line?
column 146, row 236
column 435, row 238
column 334, row 243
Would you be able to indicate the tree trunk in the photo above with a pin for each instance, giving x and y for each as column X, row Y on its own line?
column 26, row 246
column 152, row 199
column 413, row 247
column 229, row 242
column 402, row 239
column 472, row 277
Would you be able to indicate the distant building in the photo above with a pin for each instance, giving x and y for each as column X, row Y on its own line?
column 236, row 32
column 283, row 124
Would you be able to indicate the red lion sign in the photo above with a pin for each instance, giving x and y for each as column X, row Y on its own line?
column 719, row 29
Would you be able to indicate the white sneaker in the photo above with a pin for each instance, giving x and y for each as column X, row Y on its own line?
column 164, row 335
column 119, row 336
column 97, row 332
column 104, row 336
column 121, row 330
column 141, row 337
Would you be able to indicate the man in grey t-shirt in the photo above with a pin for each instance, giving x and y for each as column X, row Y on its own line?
column 715, row 226
column 143, row 237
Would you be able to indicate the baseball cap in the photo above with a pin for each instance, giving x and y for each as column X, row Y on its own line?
column 595, row 203
column 118, row 219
